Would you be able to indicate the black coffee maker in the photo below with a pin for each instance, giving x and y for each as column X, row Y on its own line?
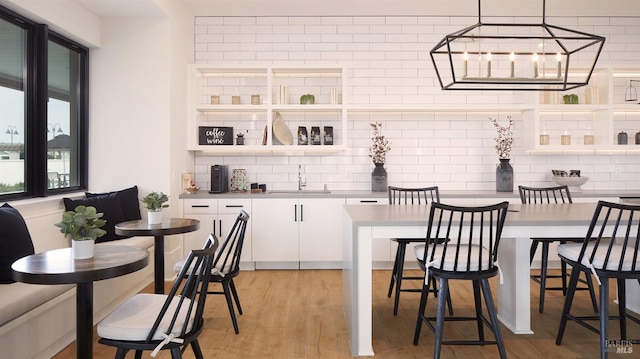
column 219, row 179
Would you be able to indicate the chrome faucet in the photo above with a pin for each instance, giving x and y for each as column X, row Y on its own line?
column 302, row 182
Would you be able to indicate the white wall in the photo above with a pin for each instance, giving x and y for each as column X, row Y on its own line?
column 388, row 62
column 137, row 98
column 130, row 105
column 67, row 18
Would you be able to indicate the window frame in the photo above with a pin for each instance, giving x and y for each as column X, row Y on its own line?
column 35, row 86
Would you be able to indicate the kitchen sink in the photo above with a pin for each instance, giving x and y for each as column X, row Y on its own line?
column 307, row 191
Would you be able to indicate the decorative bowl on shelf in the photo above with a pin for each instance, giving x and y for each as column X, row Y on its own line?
column 574, row 182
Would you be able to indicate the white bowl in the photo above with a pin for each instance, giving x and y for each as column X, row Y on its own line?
column 575, row 182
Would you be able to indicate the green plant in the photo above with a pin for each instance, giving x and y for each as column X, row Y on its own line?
column 83, row 223
column 155, row 201
column 307, row 99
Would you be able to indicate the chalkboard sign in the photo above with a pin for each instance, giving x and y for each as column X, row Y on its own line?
column 212, row 136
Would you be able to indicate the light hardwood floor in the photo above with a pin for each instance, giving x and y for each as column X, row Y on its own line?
column 298, row 314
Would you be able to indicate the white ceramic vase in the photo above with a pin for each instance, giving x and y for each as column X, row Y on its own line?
column 155, row 217
column 82, row 249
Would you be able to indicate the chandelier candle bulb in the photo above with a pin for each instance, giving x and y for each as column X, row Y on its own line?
column 466, row 59
column 488, row 64
column 512, row 57
column 559, row 58
column 535, row 65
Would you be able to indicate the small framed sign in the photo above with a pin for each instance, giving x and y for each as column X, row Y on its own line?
column 213, row 136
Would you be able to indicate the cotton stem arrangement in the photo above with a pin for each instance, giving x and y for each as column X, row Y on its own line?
column 380, row 146
column 504, row 141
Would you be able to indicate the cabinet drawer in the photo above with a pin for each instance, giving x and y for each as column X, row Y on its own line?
column 367, row 200
column 234, row 205
column 200, row 205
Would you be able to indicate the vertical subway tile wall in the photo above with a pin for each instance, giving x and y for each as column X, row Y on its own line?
column 387, row 61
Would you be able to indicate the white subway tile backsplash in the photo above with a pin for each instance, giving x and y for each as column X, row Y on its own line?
column 239, row 20
column 388, row 63
column 208, row 20
column 305, row 20
column 352, row 29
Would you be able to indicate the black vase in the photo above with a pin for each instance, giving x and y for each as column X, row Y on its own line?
column 379, row 178
column 504, row 176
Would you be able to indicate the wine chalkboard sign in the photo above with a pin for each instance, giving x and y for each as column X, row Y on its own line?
column 213, row 136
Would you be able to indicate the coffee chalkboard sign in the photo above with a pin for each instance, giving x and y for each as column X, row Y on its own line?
column 213, row 136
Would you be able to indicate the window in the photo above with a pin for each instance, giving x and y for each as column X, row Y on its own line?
column 43, row 110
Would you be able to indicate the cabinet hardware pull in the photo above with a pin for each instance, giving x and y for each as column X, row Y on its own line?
column 199, row 206
column 295, row 213
column 234, row 206
column 369, row 201
column 302, row 213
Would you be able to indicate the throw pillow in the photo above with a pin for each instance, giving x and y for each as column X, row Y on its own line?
column 15, row 241
column 107, row 204
column 129, row 202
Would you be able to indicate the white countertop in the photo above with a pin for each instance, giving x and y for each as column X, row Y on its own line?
column 518, row 215
column 368, row 194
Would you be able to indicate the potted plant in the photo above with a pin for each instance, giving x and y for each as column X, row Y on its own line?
column 155, row 202
column 307, row 99
column 82, row 226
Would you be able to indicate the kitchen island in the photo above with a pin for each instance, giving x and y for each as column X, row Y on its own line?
column 363, row 223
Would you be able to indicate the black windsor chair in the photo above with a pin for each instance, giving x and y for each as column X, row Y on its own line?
column 409, row 196
column 164, row 322
column 611, row 253
column 226, row 265
column 470, row 253
column 555, row 194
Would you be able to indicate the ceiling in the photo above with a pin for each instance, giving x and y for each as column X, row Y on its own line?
column 153, row 8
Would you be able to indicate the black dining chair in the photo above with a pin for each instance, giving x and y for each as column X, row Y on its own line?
column 471, row 253
column 409, row 196
column 157, row 322
column 554, row 194
column 226, row 265
column 611, row 253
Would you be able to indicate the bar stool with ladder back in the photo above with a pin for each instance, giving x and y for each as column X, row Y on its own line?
column 226, row 265
column 409, row 196
column 470, row 253
column 554, row 194
column 612, row 252
column 154, row 322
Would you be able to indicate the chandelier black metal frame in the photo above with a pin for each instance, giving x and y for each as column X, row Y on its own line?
column 516, row 56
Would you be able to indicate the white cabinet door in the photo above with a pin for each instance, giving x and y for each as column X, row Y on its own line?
column 228, row 210
column 275, row 230
column 204, row 210
column 320, row 233
column 381, row 247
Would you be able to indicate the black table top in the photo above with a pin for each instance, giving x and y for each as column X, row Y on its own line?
column 58, row 267
column 167, row 227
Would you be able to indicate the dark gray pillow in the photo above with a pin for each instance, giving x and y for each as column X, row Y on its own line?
column 129, row 202
column 15, row 241
column 107, row 204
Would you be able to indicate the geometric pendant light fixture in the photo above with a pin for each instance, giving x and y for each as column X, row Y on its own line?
column 516, row 56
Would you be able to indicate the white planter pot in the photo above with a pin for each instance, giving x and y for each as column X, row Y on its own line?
column 82, row 249
column 155, row 217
